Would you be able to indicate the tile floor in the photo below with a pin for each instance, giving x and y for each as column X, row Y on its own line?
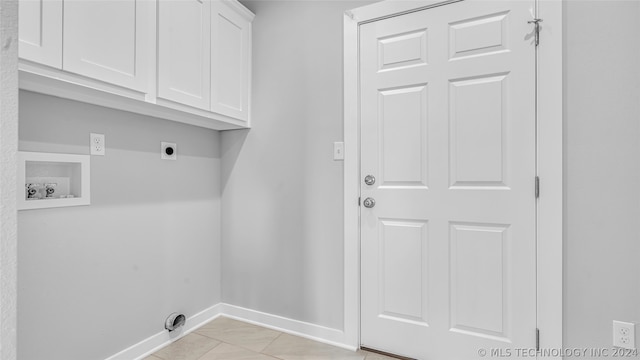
column 228, row 339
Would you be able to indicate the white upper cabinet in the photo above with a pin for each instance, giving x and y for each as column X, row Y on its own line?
column 230, row 59
column 41, row 31
column 107, row 40
column 182, row 60
column 184, row 52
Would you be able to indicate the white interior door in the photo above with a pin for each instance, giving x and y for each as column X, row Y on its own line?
column 447, row 113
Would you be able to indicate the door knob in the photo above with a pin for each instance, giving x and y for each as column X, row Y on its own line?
column 370, row 180
column 369, row 203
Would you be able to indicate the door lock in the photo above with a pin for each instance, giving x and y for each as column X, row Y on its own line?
column 369, row 203
column 370, row 180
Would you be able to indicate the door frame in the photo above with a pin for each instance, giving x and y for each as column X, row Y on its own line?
column 549, row 110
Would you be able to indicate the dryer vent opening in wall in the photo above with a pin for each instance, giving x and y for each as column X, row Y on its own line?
column 174, row 321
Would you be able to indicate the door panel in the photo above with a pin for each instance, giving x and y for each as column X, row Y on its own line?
column 108, row 40
column 403, row 245
column 403, row 50
column 447, row 113
column 230, row 62
column 478, row 36
column 41, row 31
column 184, row 52
column 477, row 133
column 479, row 256
column 403, row 137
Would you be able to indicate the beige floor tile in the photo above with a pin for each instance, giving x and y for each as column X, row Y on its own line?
column 289, row 347
column 190, row 347
column 234, row 332
column 232, row 352
column 374, row 356
column 151, row 357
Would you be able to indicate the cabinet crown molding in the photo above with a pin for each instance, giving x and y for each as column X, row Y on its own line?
column 240, row 9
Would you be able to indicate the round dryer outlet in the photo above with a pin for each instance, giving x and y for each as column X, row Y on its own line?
column 168, row 151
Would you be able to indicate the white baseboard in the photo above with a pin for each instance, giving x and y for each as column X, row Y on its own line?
column 155, row 342
column 294, row 327
column 303, row 329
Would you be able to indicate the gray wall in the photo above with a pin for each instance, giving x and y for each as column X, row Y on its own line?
column 602, row 169
column 282, row 215
column 95, row 280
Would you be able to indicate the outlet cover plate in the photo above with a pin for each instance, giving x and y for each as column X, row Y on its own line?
column 338, row 150
column 97, row 144
column 624, row 334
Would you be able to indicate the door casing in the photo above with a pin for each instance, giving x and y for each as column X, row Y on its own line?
column 549, row 163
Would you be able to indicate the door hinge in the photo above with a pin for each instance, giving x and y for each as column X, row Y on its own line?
column 537, row 187
column 537, row 339
column 359, row 201
column 536, row 23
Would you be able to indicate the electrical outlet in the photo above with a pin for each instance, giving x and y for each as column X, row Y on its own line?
column 168, row 151
column 624, row 334
column 97, row 144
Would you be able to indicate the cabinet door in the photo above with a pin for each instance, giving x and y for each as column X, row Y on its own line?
column 107, row 40
column 184, row 59
column 230, row 61
column 41, row 31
